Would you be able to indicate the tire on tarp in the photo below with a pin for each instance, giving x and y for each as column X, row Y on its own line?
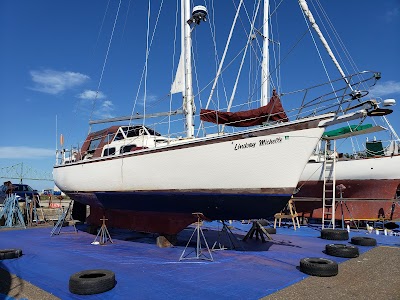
column 334, row 234
column 342, row 250
column 363, row 241
column 10, row 253
column 320, row 267
column 89, row 282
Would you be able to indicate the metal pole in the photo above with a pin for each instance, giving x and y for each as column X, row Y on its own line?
column 265, row 60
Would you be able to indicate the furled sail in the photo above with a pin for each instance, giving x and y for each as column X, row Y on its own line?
column 178, row 86
column 273, row 111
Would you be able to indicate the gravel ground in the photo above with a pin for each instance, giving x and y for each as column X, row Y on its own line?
column 373, row 275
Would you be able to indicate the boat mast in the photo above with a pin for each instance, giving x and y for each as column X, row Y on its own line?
column 188, row 94
column 265, row 59
column 307, row 12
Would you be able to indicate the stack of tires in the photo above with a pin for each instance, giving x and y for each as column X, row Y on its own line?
column 324, row 267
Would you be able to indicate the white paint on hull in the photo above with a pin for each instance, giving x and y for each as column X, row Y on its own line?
column 215, row 166
column 387, row 167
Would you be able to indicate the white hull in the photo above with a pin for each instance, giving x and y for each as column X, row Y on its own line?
column 373, row 179
column 387, row 167
column 212, row 166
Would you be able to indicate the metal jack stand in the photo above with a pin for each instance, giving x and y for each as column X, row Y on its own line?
column 199, row 251
column 103, row 234
column 341, row 189
column 12, row 212
column 61, row 219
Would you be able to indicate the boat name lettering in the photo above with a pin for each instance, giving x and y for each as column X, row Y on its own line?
column 245, row 146
column 270, row 141
column 260, row 142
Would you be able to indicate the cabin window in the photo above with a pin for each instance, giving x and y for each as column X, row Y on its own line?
column 94, row 144
column 127, row 148
column 119, row 136
column 109, row 151
column 110, row 137
column 133, row 131
column 153, row 132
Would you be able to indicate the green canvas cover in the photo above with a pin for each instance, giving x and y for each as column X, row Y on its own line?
column 374, row 148
column 347, row 129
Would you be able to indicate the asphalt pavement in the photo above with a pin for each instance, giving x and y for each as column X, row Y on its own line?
column 375, row 274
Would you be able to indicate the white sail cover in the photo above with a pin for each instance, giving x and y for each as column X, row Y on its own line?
column 178, row 86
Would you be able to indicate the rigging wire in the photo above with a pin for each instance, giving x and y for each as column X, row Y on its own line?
column 350, row 60
column 341, row 60
column 147, row 54
column 101, row 26
column 126, row 18
column 322, row 62
column 216, row 63
column 273, row 47
column 104, row 64
column 337, row 53
column 216, row 59
column 146, row 62
column 173, row 64
column 243, row 58
column 341, row 43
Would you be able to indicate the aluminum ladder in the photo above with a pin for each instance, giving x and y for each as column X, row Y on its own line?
column 62, row 219
column 329, row 186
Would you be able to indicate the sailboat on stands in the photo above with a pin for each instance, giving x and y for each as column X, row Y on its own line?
column 367, row 181
column 151, row 181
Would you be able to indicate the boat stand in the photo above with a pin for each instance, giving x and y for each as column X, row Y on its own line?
column 103, row 234
column 231, row 237
column 258, row 230
column 342, row 202
column 61, row 220
column 199, row 252
column 289, row 212
column 32, row 206
column 12, row 212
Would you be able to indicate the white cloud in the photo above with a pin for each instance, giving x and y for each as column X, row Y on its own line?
column 55, row 82
column 91, row 95
column 25, row 152
column 150, row 100
column 383, row 89
column 105, row 110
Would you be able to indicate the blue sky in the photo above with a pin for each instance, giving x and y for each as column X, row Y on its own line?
column 52, row 55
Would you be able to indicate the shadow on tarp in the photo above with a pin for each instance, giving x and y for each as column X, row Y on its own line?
column 215, row 237
column 144, row 271
column 5, row 281
column 9, row 286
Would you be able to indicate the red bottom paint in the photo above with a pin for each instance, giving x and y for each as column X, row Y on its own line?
column 163, row 223
column 352, row 209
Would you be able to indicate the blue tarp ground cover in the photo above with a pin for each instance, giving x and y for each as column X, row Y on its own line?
column 144, row 271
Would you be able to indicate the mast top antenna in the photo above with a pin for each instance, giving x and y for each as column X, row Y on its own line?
column 199, row 13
